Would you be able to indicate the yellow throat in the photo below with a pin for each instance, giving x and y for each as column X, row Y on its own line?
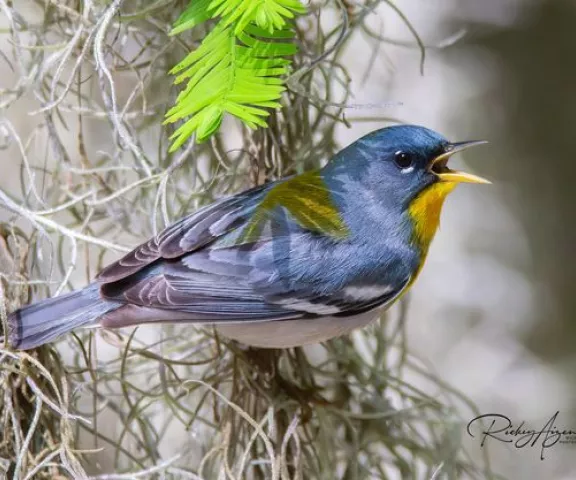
column 425, row 210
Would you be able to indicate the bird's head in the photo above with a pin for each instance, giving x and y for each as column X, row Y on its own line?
column 403, row 167
column 406, row 158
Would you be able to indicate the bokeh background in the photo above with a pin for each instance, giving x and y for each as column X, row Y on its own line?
column 493, row 312
column 494, row 309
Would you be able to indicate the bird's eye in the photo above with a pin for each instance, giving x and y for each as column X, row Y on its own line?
column 404, row 161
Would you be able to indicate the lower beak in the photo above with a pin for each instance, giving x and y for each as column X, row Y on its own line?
column 440, row 169
column 455, row 176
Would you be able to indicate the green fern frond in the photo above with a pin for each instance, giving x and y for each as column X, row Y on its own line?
column 196, row 13
column 237, row 68
column 269, row 15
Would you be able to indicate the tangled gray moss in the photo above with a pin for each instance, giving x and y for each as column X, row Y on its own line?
column 94, row 178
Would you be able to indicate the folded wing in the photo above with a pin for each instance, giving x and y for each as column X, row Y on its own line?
column 205, row 269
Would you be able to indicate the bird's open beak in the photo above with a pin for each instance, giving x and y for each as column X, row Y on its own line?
column 439, row 165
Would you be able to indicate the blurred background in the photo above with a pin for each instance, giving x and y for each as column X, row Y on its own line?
column 493, row 312
column 494, row 309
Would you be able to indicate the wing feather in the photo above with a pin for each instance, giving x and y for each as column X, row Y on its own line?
column 187, row 234
column 235, row 284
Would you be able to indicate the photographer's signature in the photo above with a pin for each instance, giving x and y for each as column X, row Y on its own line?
column 500, row 428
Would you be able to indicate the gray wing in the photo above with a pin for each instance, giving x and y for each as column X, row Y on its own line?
column 187, row 234
column 287, row 276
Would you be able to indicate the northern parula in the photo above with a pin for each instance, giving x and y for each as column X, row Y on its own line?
column 292, row 262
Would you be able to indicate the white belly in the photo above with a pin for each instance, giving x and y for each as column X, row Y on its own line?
column 295, row 333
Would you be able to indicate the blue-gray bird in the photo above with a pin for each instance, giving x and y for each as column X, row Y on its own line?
column 293, row 262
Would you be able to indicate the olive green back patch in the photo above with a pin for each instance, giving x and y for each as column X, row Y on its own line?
column 308, row 201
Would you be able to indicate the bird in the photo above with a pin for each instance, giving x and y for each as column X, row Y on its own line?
column 292, row 262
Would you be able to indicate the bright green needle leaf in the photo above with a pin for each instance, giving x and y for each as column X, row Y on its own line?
column 238, row 67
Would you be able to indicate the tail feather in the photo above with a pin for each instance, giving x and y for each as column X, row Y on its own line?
column 45, row 321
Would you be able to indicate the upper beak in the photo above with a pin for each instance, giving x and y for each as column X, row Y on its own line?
column 440, row 168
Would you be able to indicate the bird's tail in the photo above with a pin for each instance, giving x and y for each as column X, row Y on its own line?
column 45, row 321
